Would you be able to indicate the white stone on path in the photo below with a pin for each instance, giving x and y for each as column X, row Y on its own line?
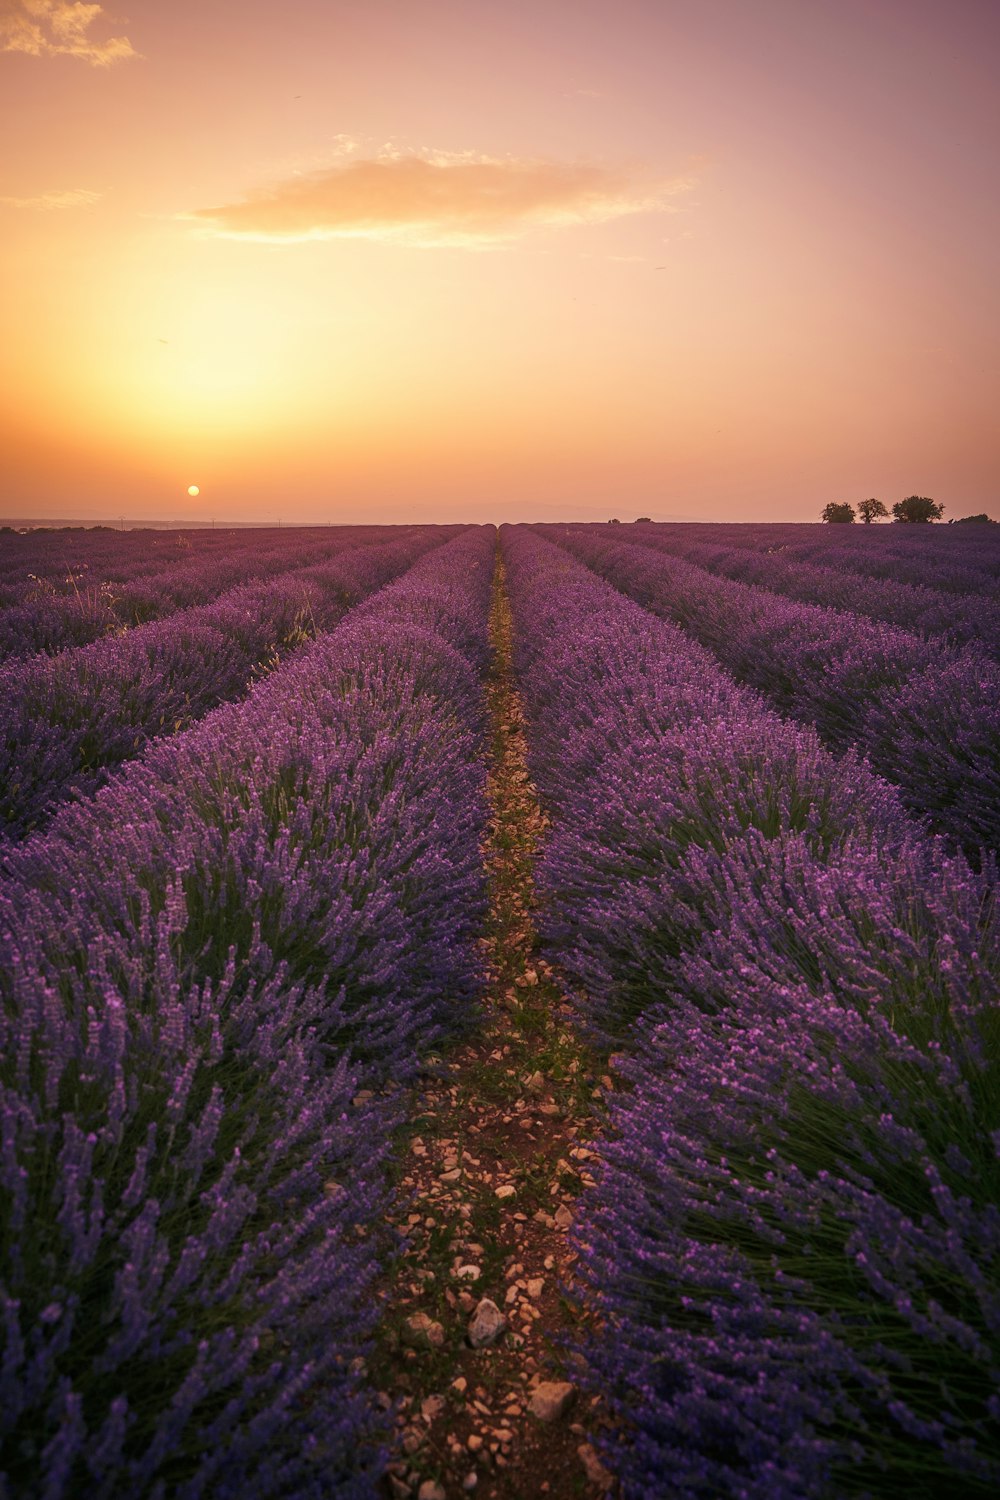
column 486, row 1324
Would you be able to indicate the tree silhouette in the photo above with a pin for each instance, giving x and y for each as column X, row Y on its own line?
column 838, row 511
column 917, row 508
column 870, row 509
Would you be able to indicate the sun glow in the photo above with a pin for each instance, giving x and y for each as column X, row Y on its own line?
column 193, row 489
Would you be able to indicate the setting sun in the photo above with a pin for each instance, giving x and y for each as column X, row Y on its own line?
column 505, row 267
column 193, row 489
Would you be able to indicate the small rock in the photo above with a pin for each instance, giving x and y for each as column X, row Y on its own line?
column 468, row 1273
column 451, row 1176
column 486, row 1324
column 505, row 1190
column 431, row 1407
column 460, row 1385
column 563, row 1217
column 411, row 1440
column 361, row 1097
column 596, row 1472
column 431, row 1490
column 535, row 1286
column 422, row 1332
column 473, row 1442
column 470, row 1481
column 551, row 1399
column 535, row 1083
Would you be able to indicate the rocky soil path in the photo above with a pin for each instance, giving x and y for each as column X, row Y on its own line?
column 496, row 1153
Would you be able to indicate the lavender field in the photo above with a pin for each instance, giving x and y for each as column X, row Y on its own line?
column 247, row 803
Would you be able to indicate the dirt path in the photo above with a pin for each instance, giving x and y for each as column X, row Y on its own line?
column 496, row 1152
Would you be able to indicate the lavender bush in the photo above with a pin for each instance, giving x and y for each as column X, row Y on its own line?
column 794, row 1245
column 201, row 967
column 948, row 559
column 853, row 678
column 68, row 721
column 963, row 619
column 104, row 595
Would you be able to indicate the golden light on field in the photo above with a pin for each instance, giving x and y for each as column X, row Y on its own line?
column 193, row 489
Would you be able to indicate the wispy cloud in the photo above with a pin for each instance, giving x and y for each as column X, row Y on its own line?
column 70, row 198
column 437, row 199
column 53, row 28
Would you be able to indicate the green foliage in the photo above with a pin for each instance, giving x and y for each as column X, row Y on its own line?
column 917, row 508
column 871, row 509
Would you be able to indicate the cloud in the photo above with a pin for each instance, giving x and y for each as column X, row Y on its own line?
column 53, row 28
column 70, row 198
column 436, row 199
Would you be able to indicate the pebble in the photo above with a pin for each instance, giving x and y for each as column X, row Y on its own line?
column 596, row 1472
column 431, row 1490
column 505, row 1190
column 423, row 1332
column 486, row 1324
column 470, row 1481
column 552, row 1399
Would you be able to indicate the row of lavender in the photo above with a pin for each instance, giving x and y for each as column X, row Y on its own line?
column 926, row 715
column 962, row 619
column 86, row 600
column 54, row 558
column 795, row 1237
column 68, row 721
column 961, row 560
column 202, row 968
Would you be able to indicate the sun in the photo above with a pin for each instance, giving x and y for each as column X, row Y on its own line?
column 193, row 489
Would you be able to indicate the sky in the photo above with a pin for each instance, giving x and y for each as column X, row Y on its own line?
column 437, row 260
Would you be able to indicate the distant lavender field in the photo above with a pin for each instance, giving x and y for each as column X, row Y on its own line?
column 242, row 808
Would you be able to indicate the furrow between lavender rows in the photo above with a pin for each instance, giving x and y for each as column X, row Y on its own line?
column 217, row 974
column 68, row 722
column 85, row 601
column 925, row 716
column 794, row 1234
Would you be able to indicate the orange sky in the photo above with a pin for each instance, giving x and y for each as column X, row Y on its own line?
column 497, row 259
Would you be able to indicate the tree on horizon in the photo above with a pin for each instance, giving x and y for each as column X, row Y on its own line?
column 917, row 509
column 838, row 512
column 870, row 509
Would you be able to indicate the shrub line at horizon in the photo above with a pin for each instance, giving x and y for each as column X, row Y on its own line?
column 83, row 603
column 67, row 722
column 202, row 968
column 962, row 620
column 926, row 716
column 794, row 1243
